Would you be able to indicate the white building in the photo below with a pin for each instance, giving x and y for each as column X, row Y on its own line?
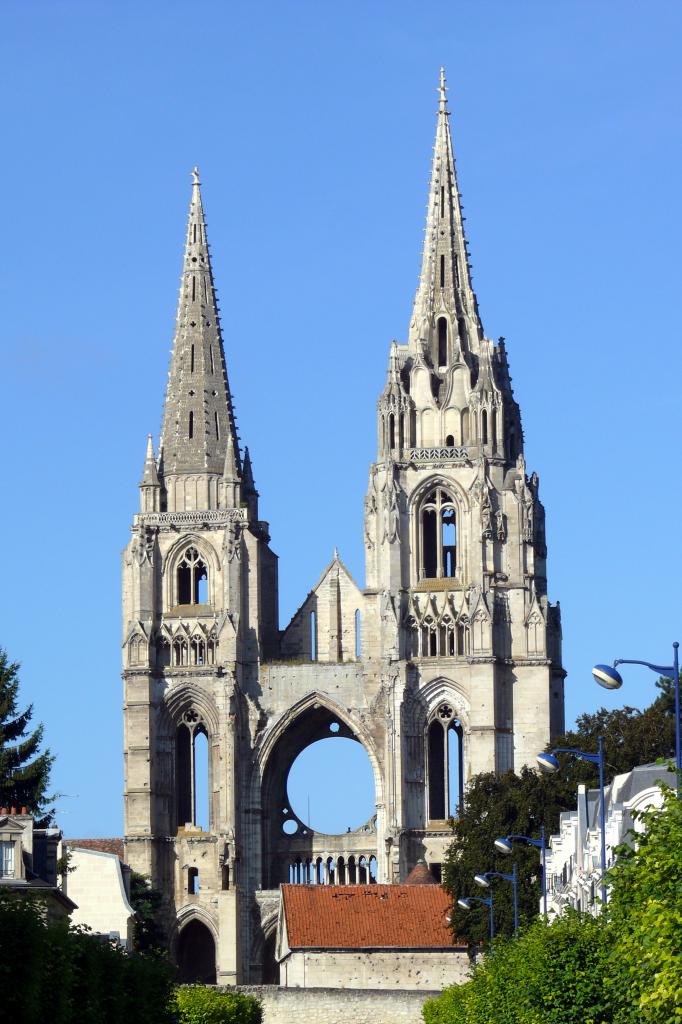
column 574, row 855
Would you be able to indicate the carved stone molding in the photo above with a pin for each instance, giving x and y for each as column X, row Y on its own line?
column 439, row 454
column 208, row 517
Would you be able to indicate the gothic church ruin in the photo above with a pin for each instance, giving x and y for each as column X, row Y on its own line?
column 445, row 664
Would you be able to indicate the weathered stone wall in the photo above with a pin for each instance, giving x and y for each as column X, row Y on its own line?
column 332, row 1005
column 418, row 969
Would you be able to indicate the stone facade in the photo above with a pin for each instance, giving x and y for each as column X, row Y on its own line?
column 447, row 663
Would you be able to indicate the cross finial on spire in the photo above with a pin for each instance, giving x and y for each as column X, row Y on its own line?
column 195, row 174
column 442, row 92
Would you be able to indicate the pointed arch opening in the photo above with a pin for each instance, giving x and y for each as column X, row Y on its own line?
column 192, row 578
column 484, row 427
column 445, row 762
column 442, row 341
column 438, row 535
column 196, row 954
column 306, row 798
column 192, row 772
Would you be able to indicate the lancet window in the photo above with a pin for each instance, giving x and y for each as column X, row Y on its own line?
column 437, row 535
column 191, row 777
column 445, row 759
column 192, row 578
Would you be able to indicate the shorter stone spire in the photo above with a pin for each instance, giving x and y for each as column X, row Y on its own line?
column 150, row 486
column 249, row 492
column 150, row 476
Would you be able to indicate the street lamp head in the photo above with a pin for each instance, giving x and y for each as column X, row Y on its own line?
column 482, row 880
column 547, row 762
column 464, row 904
column 607, row 677
column 503, row 845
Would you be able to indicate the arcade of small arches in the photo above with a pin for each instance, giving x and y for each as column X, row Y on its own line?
column 345, row 869
column 181, row 648
column 443, row 638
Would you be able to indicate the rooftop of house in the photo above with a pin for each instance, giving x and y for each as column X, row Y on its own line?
column 99, row 845
column 367, row 917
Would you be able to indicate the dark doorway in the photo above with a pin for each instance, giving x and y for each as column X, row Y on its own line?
column 270, row 965
column 196, row 955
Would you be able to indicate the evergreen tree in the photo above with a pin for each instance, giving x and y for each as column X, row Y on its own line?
column 24, row 770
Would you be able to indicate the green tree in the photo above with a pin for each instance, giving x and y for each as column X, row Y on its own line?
column 24, row 770
column 147, row 903
column 553, row 974
column 645, row 911
column 498, row 805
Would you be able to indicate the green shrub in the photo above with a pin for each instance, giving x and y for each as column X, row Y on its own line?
column 50, row 971
column 196, row 1004
column 552, row 974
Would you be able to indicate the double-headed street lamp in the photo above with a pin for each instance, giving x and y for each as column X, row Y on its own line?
column 505, row 846
column 466, row 901
column 549, row 763
column 483, row 880
column 608, row 677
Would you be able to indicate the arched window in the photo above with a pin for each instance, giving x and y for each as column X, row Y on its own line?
column 192, row 771
column 192, row 578
column 442, row 271
column 313, row 636
column 484, row 427
column 442, row 341
column 465, row 426
column 163, row 652
column 494, row 427
column 450, row 441
column 391, row 431
column 190, row 431
column 445, row 764
column 438, row 534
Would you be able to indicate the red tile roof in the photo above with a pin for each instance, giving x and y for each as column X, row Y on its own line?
column 99, row 845
column 367, row 916
column 420, row 875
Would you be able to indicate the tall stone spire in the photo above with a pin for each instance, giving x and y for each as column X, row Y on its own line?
column 445, row 287
column 198, row 415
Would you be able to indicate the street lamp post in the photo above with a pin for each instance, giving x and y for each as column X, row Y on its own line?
column 483, row 880
column 466, row 901
column 549, row 763
column 505, row 846
column 610, row 679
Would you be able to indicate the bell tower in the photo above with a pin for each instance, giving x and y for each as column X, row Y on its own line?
column 455, row 537
column 199, row 613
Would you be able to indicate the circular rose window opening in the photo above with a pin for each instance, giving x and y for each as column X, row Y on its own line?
column 331, row 786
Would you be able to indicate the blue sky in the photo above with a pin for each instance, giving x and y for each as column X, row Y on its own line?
column 313, row 125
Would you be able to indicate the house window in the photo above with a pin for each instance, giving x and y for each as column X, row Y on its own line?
column 6, row 859
column 438, row 536
column 192, row 578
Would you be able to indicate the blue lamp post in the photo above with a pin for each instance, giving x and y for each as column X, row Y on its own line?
column 608, row 677
column 466, row 901
column 505, row 846
column 549, row 763
column 483, row 880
